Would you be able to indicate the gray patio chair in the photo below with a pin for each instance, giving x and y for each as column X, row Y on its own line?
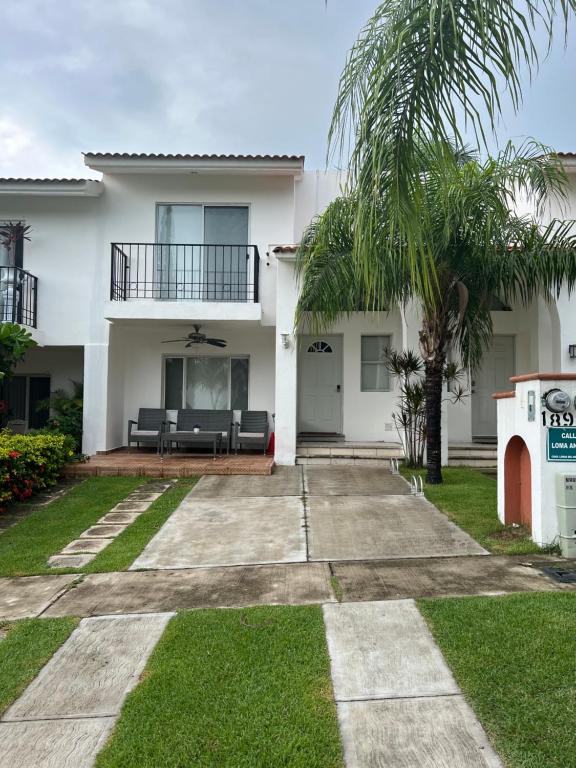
column 252, row 431
column 150, row 425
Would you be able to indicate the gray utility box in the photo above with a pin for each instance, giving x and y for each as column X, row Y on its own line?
column 566, row 510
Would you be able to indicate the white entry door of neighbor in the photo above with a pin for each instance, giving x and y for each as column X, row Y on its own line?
column 493, row 376
column 320, row 384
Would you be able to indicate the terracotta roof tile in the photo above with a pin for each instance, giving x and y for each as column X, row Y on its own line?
column 161, row 156
column 30, row 180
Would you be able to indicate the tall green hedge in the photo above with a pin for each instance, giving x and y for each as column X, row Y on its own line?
column 30, row 463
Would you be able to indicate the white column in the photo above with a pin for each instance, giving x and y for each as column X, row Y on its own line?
column 95, row 415
column 286, row 363
column 411, row 324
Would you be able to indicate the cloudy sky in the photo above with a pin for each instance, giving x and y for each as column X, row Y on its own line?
column 199, row 76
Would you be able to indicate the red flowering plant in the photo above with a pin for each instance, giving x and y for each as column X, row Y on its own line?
column 29, row 463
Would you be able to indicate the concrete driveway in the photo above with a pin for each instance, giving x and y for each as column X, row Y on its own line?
column 303, row 514
column 233, row 520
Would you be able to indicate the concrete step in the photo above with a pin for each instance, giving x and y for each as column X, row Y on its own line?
column 363, row 461
column 465, row 461
column 351, row 450
column 472, row 455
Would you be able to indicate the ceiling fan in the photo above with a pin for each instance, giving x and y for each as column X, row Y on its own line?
column 197, row 338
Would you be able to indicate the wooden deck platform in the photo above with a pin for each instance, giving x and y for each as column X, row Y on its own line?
column 146, row 463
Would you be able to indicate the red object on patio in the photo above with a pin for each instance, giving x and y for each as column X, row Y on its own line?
column 270, row 449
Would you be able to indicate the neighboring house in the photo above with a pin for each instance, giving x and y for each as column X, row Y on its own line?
column 164, row 242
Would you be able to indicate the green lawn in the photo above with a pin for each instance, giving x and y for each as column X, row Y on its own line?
column 28, row 645
column 468, row 497
column 27, row 545
column 233, row 689
column 514, row 658
column 119, row 555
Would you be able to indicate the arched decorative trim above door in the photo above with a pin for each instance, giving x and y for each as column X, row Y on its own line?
column 320, row 346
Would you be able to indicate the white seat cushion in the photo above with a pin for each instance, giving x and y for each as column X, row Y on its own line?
column 144, row 433
column 250, row 434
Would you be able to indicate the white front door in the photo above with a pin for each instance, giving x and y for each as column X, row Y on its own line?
column 320, row 384
column 494, row 376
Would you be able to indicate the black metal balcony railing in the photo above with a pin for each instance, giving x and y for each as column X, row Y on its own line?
column 18, row 296
column 193, row 272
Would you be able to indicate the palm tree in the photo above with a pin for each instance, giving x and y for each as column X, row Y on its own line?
column 479, row 249
column 420, row 69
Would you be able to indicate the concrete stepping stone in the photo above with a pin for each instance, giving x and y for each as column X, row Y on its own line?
column 106, row 531
column 440, row 732
column 121, row 518
column 384, row 650
column 90, row 675
column 25, row 597
column 131, row 506
column 149, row 497
column 70, row 561
column 87, row 546
column 53, row 743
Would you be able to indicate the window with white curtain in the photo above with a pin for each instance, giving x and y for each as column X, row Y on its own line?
column 213, row 383
column 374, row 375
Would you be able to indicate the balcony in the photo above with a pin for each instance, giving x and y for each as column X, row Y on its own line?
column 18, row 296
column 185, row 272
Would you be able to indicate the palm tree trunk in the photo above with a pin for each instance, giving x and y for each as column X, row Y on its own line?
column 433, row 386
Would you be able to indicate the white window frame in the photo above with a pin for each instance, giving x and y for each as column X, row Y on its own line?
column 184, row 374
column 375, row 362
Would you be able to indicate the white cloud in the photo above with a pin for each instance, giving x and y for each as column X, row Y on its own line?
column 24, row 153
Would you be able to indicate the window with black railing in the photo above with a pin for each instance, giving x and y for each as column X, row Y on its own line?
column 18, row 296
column 192, row 272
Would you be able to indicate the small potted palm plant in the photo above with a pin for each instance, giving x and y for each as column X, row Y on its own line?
column 12, row 236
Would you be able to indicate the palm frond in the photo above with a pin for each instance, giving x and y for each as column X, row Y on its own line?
column 428, row 68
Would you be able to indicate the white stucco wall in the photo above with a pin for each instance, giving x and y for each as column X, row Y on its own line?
column 513, row 420
column 63, row 364
column 533, row 351
column 64, row 253
column 367, row 415
column 129, row 212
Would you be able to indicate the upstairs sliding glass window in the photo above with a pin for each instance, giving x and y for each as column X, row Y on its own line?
column 201, row 252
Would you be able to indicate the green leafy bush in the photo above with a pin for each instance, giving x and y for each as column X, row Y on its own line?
column 66, row 409
column 29, row 463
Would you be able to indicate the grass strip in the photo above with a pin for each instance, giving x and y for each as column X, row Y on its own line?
column 122, row 552
column 28, row 645
column 469, row 498
column 26, row 546
column 514, row 659
column 233, row 689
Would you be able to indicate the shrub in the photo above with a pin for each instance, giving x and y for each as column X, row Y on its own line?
column 66, row 409
column 29, row 463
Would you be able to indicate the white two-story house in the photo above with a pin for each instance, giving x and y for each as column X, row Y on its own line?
column 117, row 269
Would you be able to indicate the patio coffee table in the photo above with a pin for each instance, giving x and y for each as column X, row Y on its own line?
column 204, row 436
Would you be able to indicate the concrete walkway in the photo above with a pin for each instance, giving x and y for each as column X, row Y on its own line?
column 398, row 704
column 64, row 717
